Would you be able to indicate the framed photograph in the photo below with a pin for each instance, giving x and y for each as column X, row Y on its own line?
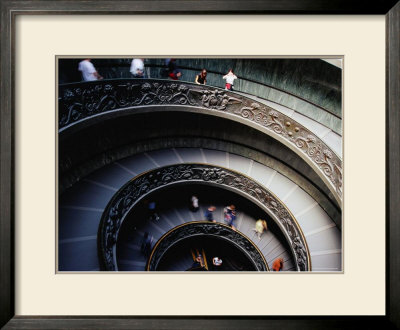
column 195, row 196
column 166, row 159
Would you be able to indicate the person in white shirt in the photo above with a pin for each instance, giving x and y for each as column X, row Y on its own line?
column 230, row 78
column 137, row 68
column 195, row 204
column 89, row 73
column 217, row 262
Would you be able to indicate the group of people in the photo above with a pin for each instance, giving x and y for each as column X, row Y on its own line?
column 229, row 212
column 89, row 72
column 229, row 218
column 172, row 71
column 229, row 215
column 199, row 262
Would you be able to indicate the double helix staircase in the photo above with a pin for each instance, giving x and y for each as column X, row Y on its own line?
column 81, row 208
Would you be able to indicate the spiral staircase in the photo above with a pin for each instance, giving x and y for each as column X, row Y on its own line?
column 303, row 202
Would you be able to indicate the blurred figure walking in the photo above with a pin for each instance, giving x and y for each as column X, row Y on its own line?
column 137, row 68
column 209, row 213
column 152, row 211
column 217, row 261
column 145, row 247
column 89, row 73
column 194, row 205
column 261, row 225
column 173, row 71
column 230, row 215
column 277, row 265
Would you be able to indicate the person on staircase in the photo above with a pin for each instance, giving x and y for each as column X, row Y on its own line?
column 277, row 265
column 89, row 72
column 137, row 68
column 201, row 77
column 194, row 204
column 230, row 215
column 260, row 226
column 209, row 213
column 153, row 211
column 198, row 262
column 230, row 78
column 145, row 247
column 173, row 72
column 217, row 262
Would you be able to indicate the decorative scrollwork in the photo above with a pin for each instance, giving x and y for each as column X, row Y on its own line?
column 144, row 184
column 199, row 228
column 82, row 100
column 217, row 99
column 78, row 101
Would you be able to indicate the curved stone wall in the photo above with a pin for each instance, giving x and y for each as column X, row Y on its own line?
column 78, row 102
column 95, row 146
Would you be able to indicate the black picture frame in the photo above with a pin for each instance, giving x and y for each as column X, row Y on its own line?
column 11, row 9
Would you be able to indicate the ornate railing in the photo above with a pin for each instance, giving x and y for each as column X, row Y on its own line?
column 203, row 228
column 146, row 183
column 80, row 101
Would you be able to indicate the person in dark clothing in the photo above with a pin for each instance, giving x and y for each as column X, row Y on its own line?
column 208, row 214
column 198, row 262
column 152, row 211
column 201, row 77
column 147, row 241
column 173, row 71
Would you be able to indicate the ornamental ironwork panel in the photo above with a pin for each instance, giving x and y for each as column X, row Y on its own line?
column 83, row 100
column 134, row 190
column 201, row 228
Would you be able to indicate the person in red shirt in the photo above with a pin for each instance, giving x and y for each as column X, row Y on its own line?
column 277, row 265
